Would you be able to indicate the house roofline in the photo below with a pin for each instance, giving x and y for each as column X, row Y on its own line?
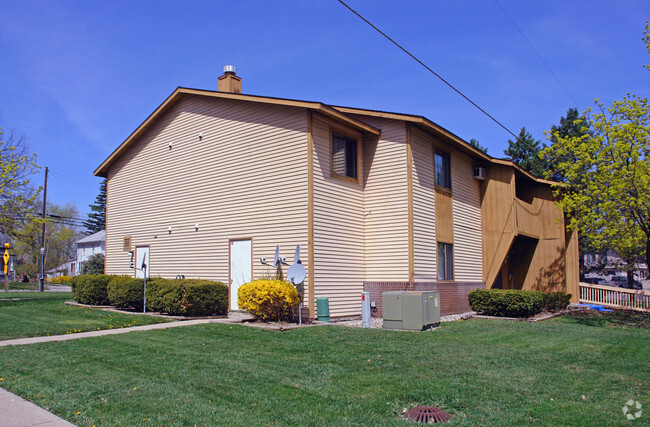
column 102, row 170
column 336, row 112
column 434, row 127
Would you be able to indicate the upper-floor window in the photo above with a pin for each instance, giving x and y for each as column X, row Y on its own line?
column 442, row 169
column 344, row 156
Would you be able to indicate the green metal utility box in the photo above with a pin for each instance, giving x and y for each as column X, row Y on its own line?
column 415, row 311
column 323, row 309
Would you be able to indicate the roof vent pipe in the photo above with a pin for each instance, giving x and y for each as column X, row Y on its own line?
column 229, row 82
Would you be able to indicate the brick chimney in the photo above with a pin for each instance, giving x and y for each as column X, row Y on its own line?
column 229, row 82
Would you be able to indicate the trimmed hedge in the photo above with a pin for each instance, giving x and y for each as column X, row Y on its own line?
column 515, row 302
column 203, row 297
column 187, row 297
column 556, row 301
column 191, row 297
column 126, row 292
column 164, row 296
column 506, row 302
column 90, row 289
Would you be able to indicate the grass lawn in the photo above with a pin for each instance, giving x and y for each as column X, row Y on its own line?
column 33, row 314
column 564, row 371
column 20, row 286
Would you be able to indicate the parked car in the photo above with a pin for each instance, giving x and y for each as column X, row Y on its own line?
column 615, row 281
column 593, row 280
column 621, row 282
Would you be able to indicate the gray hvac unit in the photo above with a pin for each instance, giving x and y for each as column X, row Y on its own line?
column 415, row 311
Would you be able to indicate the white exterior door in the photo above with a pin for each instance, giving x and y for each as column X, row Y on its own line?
column 141, row 256
column 241, row 266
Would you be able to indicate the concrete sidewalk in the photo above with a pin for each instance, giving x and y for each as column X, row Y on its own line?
column 18, row 412
column 78, row 335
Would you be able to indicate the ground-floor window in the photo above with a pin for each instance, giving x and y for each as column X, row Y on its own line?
column 445, row 261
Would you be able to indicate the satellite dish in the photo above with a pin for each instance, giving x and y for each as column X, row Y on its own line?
column 296, row 256
column 296, row 274
column 276, row 257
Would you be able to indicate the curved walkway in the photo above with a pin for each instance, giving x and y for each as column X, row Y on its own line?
column 18, row 412
column 78, row 335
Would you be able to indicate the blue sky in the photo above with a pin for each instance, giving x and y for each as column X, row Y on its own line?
column 77, row 77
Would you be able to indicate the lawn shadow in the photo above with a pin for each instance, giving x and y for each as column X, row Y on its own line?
column 614, row 318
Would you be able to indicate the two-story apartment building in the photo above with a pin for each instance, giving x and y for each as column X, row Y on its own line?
column 213, row 180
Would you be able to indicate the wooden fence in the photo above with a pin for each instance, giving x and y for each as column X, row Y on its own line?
column 614, row 297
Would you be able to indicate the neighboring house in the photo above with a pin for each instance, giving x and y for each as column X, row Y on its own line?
column 87, row 247
column 213, row 181
column 609, row 264
column 65, row 269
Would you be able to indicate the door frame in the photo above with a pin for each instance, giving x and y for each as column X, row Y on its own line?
column 239, row 239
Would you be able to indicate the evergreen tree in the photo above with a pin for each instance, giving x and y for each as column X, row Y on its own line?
column 525, row 153
column 94, row 265
column 476, row 144
column 572, row 126
column 97, row 217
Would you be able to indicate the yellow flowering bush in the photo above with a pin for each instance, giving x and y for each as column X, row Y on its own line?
column 61, row 279
column 268, row 299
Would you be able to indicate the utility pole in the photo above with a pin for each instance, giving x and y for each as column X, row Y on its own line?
column 42, row 279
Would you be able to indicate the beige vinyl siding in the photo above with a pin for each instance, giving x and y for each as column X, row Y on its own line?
column 338, row 227
column 424, row 221
column 386, row 202
column 468, row 257
column 246, row 178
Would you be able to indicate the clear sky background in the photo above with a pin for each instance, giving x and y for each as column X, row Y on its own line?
column 77, row 77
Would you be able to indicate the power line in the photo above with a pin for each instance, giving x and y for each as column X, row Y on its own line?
column 536, row 52
column 429, row 69
column 72, row 179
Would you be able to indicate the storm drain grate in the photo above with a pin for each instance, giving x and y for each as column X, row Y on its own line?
column 426, row 414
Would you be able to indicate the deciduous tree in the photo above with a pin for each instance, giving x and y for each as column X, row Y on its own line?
column 60, row 239
column 606, row 172
column 573, row 125
column 17, row 195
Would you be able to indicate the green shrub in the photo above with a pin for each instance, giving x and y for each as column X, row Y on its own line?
column 165, row 296
column 556, row 301
column 59, row 280
column 203, row 298
column 506, row 302
column 187, row 297
column 268, row 299
column 91, row 289
column 126, row 292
